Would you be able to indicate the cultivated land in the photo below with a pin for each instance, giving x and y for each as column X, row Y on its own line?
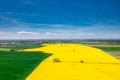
column 75, row 62
column 4, row 49
column 15, row 65
column 18, row 65
column 110, row 46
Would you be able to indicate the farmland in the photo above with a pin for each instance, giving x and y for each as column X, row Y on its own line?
column 111, row 47
column 17, row 64
column 75, row 62
column 4, row 49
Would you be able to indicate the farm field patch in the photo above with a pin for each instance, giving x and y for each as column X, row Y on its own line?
column 4, row 49
column 18, row 65
column 75, row 62
column 115, row 49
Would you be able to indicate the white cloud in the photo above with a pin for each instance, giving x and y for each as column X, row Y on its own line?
column 37, row 35
column 2, row 33
column 26, row 32
column 50, row 35
column 5, row 33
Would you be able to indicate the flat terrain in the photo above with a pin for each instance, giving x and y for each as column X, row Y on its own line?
column 111, row 49
column 115, row 54
column 75, row 62
column 4, row 49
column 18, row 65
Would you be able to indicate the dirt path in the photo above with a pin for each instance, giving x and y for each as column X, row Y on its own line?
column 116, row 54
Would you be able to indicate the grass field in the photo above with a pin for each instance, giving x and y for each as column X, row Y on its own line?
column 4, row 49
column 108, row 49
column 114, row 51
column 18, row 65
column 21, row 46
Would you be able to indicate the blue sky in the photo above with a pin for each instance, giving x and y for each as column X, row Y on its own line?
column 59, row 19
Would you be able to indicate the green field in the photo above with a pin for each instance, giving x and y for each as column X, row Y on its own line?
column 18, row 65
column 109, row 49
column 114, row 51
column 4, row 49
column 21, row 46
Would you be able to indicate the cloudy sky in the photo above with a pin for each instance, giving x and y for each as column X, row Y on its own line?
column 59, row 19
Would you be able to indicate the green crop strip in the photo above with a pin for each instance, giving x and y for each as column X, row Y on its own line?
column 18, row 65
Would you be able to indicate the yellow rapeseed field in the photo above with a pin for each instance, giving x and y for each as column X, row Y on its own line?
column 75, row 62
